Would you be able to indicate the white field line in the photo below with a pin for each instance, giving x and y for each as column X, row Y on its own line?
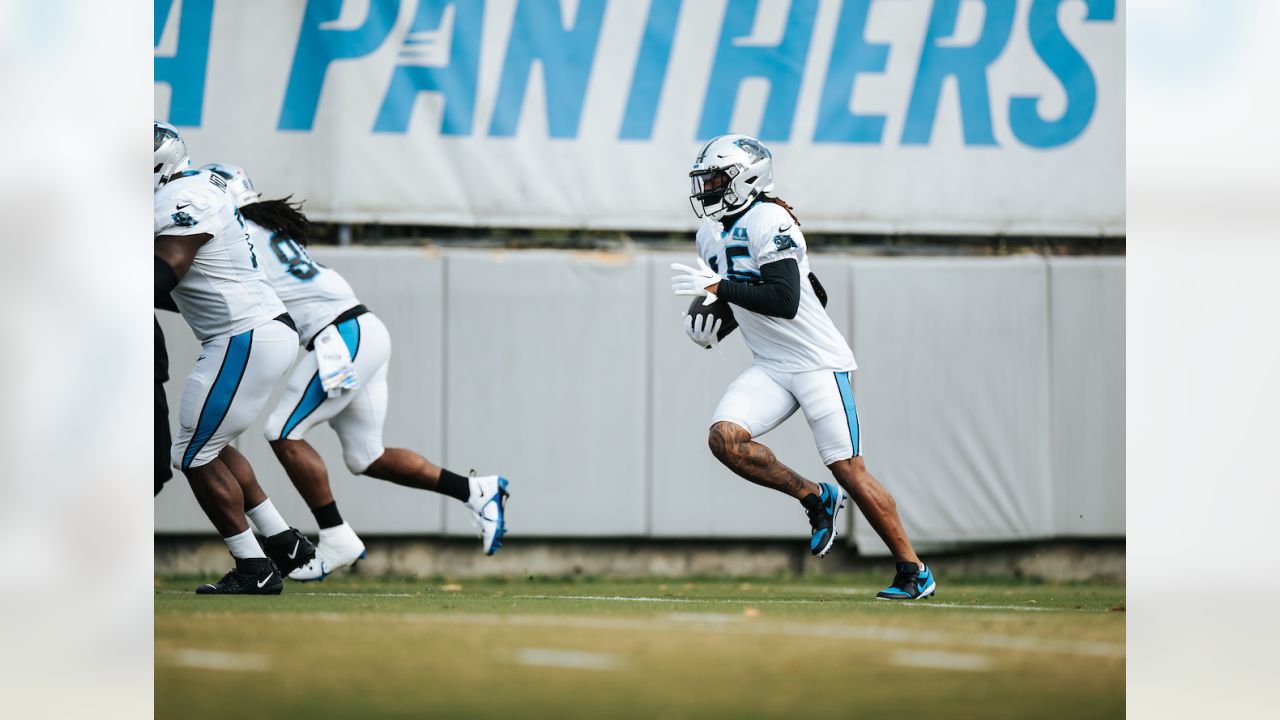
column 645, row 599
column 217, row 660
column 1016, row 608
column 567, row 659
column 305, row 593
column 940, row 660
column 779, row 601
column 748, row 626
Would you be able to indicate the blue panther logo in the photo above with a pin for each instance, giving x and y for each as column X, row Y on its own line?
column 183, row 219
column 782, row 242
column 752, row 148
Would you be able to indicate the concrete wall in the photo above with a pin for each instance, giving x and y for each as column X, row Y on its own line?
column 991, row 393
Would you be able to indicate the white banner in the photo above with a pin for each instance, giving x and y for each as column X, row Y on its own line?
column 897, row 116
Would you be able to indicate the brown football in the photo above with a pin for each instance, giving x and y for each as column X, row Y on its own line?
column 719, row 310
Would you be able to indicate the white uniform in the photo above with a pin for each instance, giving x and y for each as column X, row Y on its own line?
column 316, row 296
column 313, row 293
column 230, row 307
column 803, row 362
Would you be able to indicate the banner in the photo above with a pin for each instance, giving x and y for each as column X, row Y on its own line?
column 884, row 116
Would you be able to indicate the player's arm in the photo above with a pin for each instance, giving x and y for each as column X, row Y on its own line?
column 174, row 255
column 166, row 303
column 777, row 294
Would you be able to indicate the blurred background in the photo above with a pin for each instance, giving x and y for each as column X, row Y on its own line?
column 505, row 184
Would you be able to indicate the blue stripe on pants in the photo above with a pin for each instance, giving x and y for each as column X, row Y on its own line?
column 223, row 392
column 850, row 408
column 314, row 396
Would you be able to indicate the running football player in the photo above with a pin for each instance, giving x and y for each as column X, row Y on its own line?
column 752, row 255
column 204, row 260
column 341, row 379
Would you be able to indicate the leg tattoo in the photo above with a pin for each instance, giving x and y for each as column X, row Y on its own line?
column 733, row 446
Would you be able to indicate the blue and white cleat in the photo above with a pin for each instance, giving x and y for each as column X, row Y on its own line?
column 823, row 509
column 488, row 504
column 339, row 547
column 911, row 583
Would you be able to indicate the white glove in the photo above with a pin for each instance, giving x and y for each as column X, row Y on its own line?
column 703, row 330
column 695, row 281
column 333, row 363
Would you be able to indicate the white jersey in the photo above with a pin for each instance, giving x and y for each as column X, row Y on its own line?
column 766, row 233
column 314, row 294
column 224, row 293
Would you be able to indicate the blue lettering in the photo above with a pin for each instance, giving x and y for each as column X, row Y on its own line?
column 651, row 70
column 967, row 64
column 538, row 33
column 782, row 65
column 456, row 81
column 1061, row 57
column 185, row 71
column 318, row 47
column 852, row 54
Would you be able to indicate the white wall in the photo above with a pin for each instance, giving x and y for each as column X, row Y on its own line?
column 991, row 392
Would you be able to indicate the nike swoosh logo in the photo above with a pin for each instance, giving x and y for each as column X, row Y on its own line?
column 294, row 553
column 266, row 579
column 179, row 207
column 784, row 229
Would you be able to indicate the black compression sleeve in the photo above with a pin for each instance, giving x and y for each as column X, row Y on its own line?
column 166, row 303
column 777, row 294
column 166, row 280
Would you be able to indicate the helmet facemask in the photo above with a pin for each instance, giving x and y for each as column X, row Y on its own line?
column 712, row 191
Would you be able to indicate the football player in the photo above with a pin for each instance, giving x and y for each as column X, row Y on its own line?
column 341, row 379
column 206, row 263
column 752, row 255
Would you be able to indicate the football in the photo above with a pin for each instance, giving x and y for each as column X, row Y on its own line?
column 719, row 310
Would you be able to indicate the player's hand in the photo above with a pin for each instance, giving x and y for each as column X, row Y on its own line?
column 703, row 329
column 695, row 281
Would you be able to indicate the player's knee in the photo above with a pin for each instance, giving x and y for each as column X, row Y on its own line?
column 359, row 458
column 725, row 439
column 273, row 427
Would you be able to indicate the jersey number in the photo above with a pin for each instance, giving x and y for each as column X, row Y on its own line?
column 730, row 253
column 294, row 257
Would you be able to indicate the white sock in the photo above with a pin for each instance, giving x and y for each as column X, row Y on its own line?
column 244, row 545
column 267, row 519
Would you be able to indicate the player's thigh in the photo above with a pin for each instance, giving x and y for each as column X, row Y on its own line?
column 227, row 389
column 359, row 425
column 305, row 403
column 832, row 413
column 370, row 345
column 755, row 401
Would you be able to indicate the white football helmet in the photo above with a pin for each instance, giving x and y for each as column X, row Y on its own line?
column 238, row 183
column 170, row 153
column 730, row 172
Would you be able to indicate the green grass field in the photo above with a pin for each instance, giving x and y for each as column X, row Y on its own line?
column 354, row 647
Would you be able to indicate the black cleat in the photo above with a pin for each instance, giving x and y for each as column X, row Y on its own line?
column 910, row 583
column 251, row 576
column 289, row 550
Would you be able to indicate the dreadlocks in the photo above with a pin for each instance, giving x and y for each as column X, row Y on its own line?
column 783, row 203
column 280, row 216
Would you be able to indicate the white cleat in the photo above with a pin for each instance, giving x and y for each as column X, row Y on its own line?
column 339, row 547
column 488, row 504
